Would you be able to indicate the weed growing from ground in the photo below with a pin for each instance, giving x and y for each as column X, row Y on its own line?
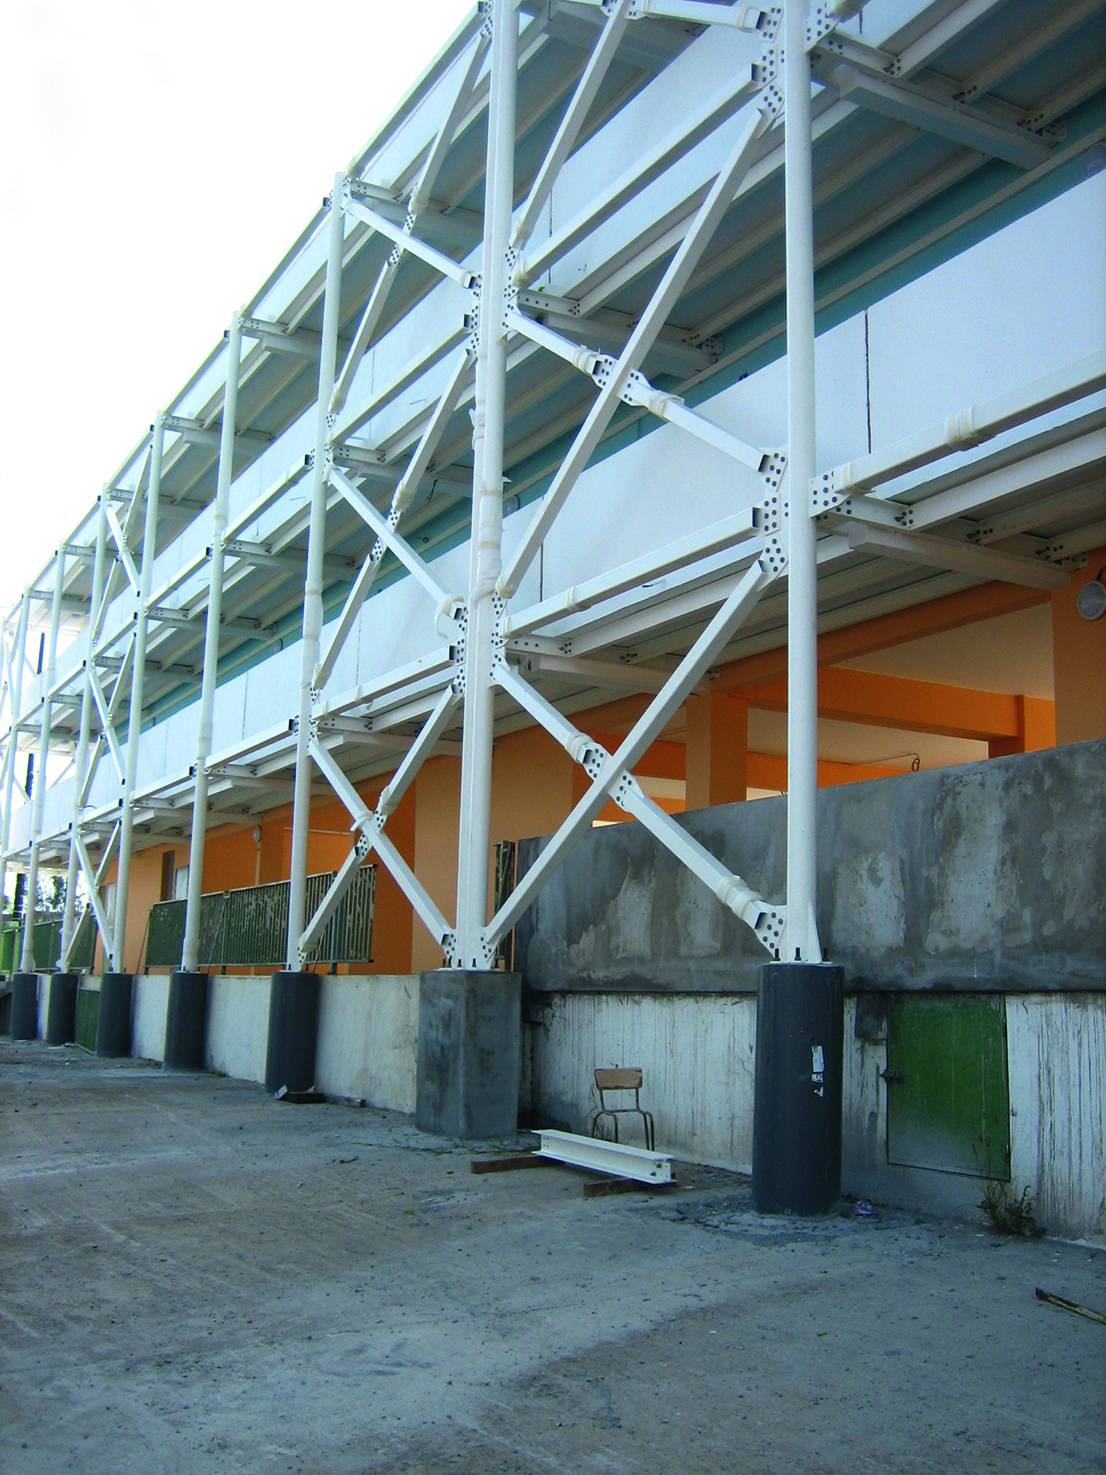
column 1009, row 1215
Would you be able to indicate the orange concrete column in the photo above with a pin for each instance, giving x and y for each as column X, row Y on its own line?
column 1036, row 717
column 1079, row 660
column 717, row 749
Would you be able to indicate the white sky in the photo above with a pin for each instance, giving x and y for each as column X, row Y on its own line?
column 157, row 160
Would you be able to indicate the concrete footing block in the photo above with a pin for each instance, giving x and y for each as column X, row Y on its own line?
column 61, row 1009
column 470, row 1024
column 113, row 1026
column 186, row 1022
column 24, row 1016
column 797, row 1091
column 293, row 1033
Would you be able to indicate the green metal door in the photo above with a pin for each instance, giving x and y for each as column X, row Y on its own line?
column 948, row 1096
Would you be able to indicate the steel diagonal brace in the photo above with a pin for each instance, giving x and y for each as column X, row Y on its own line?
column 120, row 540
column 385, row 530
column 765, row 921
column 371, row 825
column 607, row 772
column 371, row 822
column 106, row 722
column 639, row 391
column 401, row 500
column 416, row 203
column 564, row 140
column 407, row 241
column 92, row 879
column 649, row 325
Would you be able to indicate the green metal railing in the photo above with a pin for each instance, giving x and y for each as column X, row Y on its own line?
column 47, row 943
column 248, row 927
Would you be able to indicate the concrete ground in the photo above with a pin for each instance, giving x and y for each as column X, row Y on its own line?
column 196, row 1278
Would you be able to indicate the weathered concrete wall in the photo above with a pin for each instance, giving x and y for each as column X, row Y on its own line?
column 238, row 1025
column 151, row 999
column 1058, row 1092
column 985, row 876
column 697, row 1055
column 367, row 1038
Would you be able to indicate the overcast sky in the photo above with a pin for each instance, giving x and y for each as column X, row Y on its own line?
column 157, row 160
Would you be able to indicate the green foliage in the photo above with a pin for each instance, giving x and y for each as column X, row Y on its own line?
column 1009, row 1215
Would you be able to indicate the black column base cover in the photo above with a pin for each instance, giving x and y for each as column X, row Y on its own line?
column 24, row 1006
column 797, row 1106
column 186, row 1021
column 113, row 1026
column 61, row 1009
column 293, row 1032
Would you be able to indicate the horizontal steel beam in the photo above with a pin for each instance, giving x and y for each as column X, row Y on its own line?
column 605, row 1157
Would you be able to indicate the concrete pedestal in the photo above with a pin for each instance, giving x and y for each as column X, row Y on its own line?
column 61, row 1009
column 469, row 1046
column 113, row 1026
column 24, row 1014
column 186, row 1021
column 797, row 1093
column 293, row 1032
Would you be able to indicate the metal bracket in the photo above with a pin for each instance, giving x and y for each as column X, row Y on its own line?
column 827, row 497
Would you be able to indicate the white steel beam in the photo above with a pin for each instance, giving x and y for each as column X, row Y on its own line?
column 600, row 1156
column 486, row 548
column 639, row 572
column 802, row 943
column 943, row 553
column 38, row 798
column 907, row 102
column 117, row 960
column 16, row 655
column 205, row 718
column 313, row 581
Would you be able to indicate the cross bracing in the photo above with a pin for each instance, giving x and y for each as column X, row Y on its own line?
column 572, row 235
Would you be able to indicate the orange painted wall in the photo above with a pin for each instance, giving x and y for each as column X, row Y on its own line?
column 437, row 792
column 144, row 890
column 1079, row 661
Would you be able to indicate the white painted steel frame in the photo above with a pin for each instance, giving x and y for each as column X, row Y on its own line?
column 490, row 643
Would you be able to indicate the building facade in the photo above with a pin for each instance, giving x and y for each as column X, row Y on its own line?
column 503, row 511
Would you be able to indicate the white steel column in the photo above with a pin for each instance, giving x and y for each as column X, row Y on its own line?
column 38, row 800
column 117, row 961
column 16, row 676
column 80, row 762
column 485, row 561
column 190, row 949
column 313, row 583
column 802, row 583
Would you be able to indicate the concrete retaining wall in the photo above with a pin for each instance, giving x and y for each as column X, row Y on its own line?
column 985, row 876
column 368, row 1029
column 151, row 998
column 238, row 1025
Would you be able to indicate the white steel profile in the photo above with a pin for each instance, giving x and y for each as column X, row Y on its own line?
column 213, row 620
column 38, row 798
column 485, row 550
column 802, row 943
